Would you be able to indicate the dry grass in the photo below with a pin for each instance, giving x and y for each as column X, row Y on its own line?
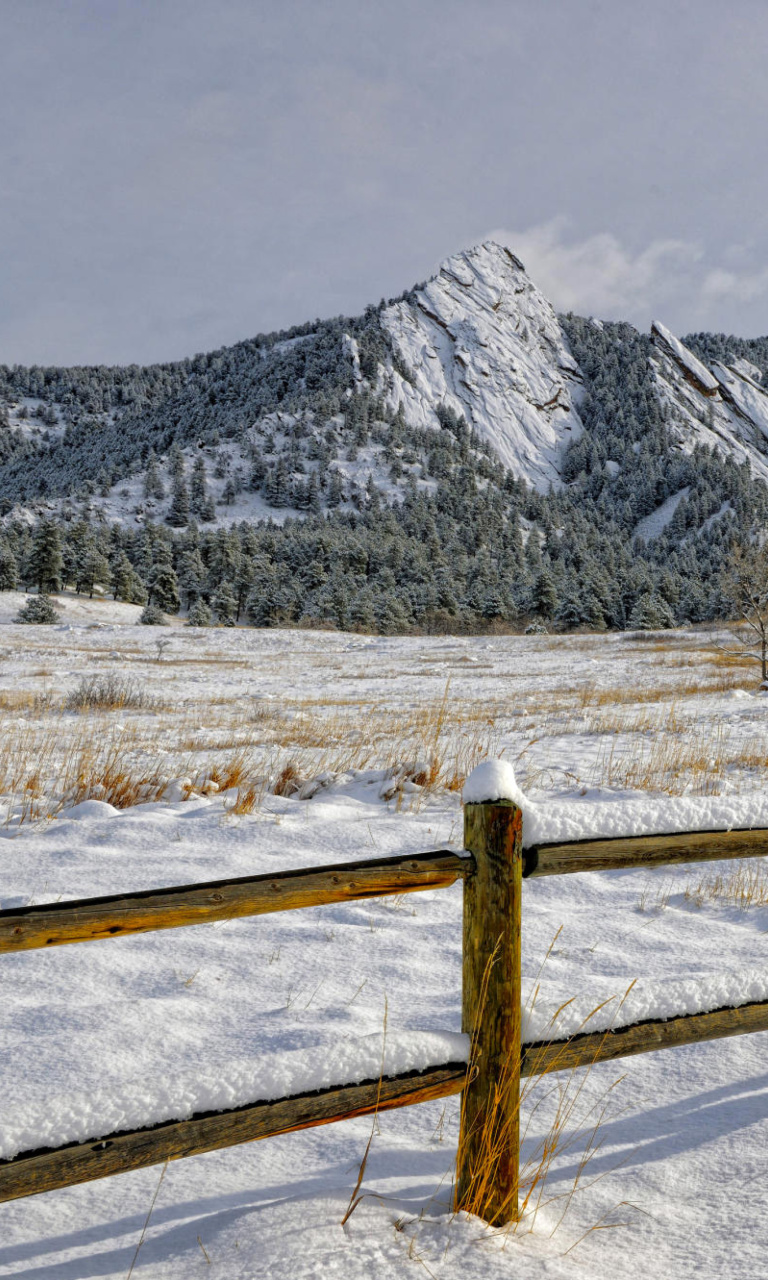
column 574, row 1121
column 218, row 732
column 742, row 886
column 109, row 692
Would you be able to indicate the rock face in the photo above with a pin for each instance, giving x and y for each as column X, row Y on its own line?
column 724, row 407
column 482, row 340
column 690, row 366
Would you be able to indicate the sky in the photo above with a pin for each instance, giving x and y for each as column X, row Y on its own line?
column 181, row 174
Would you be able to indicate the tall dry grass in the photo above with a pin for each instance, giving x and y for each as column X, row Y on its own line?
column 502, row 1130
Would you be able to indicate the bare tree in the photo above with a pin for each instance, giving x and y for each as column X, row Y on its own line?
column 745, row 584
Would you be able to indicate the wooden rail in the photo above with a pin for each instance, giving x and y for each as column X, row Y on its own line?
column 85, row 920
column 52, row 1168
column 642, row 851
column 643, row 1037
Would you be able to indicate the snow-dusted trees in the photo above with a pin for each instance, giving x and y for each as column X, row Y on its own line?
column 745, row 582
column 163, row 588
column 9, row 569
column 201, row 503
column 37, row 609
column 44, row 566
column 153, row 485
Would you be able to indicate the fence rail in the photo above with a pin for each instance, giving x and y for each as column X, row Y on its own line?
column 642, row 851
column 492, row 869
column 90, row 919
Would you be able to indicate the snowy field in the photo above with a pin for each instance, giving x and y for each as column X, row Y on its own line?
column 241, row 751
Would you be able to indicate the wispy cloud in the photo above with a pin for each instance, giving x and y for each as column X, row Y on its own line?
column 668, row 278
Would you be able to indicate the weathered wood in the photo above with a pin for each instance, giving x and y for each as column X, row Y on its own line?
column 643, row 851
column 643, row 1037
column 48, row 1169
column 489, row 1141
column 114, row 916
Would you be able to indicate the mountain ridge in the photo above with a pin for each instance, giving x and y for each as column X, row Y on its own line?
column 459, row 456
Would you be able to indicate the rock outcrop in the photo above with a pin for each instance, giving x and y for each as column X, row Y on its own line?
column 482, row 340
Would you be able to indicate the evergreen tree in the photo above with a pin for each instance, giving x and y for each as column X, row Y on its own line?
column 544, row 595
column 153, row 485
column 9, row 569
column 92, row 566
column 224, row 605
column 152, row 615
column 651, row 613
column 37, row 609
column 44, row 569
column 199, row 614
column 200, row 501
column 126, row 583
column 178, row 513
column 163, row 586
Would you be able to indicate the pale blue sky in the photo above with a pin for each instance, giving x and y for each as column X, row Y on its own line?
column 178, row 174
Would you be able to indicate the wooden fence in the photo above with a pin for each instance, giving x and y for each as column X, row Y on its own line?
column 492, row 869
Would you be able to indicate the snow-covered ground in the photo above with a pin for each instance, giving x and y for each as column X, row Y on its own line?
column 377, row 735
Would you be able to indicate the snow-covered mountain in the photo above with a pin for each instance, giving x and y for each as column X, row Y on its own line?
column 481, row 339
column 313, row 418
column 724, row 406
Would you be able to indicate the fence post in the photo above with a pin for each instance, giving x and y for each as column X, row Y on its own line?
column 489, row 1139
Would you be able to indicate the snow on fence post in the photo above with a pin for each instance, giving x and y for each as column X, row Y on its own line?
column 489, row 1139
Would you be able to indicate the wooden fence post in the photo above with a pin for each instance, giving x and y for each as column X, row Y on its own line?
column 489, row 1139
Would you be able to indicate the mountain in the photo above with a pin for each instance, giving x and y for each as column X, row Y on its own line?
column 481, row 339
column 556, row 467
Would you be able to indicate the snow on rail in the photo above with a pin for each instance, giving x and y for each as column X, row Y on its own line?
column 139, row 1103
column 643, row 1001
column 563, row 821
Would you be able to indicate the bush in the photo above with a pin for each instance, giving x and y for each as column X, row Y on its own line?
column 110, row 692
column 37, row 609
column 153, row 616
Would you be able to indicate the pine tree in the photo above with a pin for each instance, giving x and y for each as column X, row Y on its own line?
column 92, row 566
column 651, row 613
column 544, row 595
column 153, row 485
column 126, row 583
column 163, row 588
column 224, row 605
column 191, row 575
column 199, row 614
column 178, row 514
column 200, row 502
column 9, row 568
column 44, row 568
column 38, row 609
column 152, row 615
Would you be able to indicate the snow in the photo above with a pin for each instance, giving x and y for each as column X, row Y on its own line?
column 746, row 368
column 688, row 362
column 744, row 393
column 653, row 525
column 492, row 780
column 730, row 422
column 143, row 1102
column 559, row 821
column 166, row 1021
column 548, row 1020
column 481, row 338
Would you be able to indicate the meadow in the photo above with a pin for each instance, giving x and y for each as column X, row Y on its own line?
column 134, row 757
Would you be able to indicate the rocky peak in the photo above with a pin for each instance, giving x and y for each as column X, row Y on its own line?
column 482, row 340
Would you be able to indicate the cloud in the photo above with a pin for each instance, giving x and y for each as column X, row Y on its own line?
column 738, row 286
column 669, row 279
